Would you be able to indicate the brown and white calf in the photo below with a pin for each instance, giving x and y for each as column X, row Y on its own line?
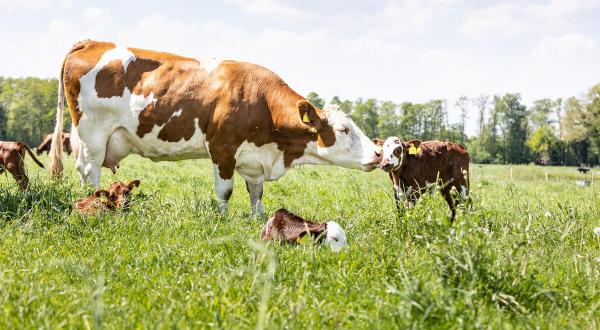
column 12, row 158
column 116, row 197
column 288, row 227
column 162, row 106
column 47, row 142
column 413, row 165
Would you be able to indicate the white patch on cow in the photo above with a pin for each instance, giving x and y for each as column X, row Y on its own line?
column 210, row 64
column 259, row 164
column 351, row 149
column 176, row 113
column 335, row 237
column 137, row 103
column 389, row 146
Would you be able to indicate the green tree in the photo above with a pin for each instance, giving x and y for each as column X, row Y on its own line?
column 513, row 123
column 543, row 143
column 366, row 116
column 463, row 106
column 388, row 124
column 314, row 98
column 345, row 105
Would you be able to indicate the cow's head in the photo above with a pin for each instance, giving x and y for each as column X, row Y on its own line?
column 340, row 142
column 117, row 193
column 396, row 152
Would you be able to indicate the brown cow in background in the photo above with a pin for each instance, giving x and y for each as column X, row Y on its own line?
column 47, row 143
column 413, row 165
column 12, row 158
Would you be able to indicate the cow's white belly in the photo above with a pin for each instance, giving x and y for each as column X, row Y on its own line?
column 259, row 164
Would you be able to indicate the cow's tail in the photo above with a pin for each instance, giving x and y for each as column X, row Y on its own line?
column 56, row 148
column 37, row 161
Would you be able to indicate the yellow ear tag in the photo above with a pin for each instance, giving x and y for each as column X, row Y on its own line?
column 103, row 198
column 305, row 118
column 414, row 151
column 304, row 240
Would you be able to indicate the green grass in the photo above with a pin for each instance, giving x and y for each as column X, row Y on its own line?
column 524, row 257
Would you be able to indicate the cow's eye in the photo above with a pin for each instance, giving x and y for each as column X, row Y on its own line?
column 345, row 130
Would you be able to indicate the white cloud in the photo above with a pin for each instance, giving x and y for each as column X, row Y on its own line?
column 267, row 8
column 407, row 17
column 505, row 20
column 569, row 46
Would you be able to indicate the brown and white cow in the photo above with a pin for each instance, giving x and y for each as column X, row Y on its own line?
column 47, row 142
column 414, row 165
column 288, row 227
column 162, row 106
column 12, row 158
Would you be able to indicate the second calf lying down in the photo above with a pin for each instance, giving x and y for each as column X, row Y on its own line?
column 114, row 198
column 288, row 227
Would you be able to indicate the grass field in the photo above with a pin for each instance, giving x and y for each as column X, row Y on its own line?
column 526, row 256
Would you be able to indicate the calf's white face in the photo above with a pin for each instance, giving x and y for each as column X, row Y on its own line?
column 352, row 148
column 335, row 236
column 393, row 153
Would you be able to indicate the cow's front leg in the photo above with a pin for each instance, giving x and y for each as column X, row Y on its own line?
column 256, row 191
column 223, row 188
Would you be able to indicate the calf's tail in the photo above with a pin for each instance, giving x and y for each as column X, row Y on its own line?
column 37, row 161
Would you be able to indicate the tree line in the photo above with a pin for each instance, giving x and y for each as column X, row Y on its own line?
column 549, row 132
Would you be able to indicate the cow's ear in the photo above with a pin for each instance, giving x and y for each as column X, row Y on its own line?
column 416, row 143
column 308, row 113
column 378, row 142
column 101, row 192
column 134, row 183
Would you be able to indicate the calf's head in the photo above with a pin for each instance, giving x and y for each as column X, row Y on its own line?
column 396, row 152
column 117, row 193
column 339, row 142
column 335, row 237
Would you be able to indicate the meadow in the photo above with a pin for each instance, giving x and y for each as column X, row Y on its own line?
column 525, row 255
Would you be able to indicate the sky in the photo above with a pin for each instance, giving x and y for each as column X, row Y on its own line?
column 405, row 50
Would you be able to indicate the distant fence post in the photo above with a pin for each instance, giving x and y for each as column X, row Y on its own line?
column 511, row 177
column 546, row 176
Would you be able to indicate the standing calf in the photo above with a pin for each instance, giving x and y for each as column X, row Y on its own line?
column 412, row 165
column 287, row 227
column 12, row 158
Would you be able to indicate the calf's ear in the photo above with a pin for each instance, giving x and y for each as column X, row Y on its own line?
column 308, row 113
column 134, row 183
column 378, row 142
column 101, row 192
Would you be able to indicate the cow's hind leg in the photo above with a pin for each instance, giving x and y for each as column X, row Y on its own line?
column 256, row 191
column 223, row 188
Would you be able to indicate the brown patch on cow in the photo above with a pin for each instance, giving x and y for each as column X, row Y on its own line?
column 12, row 158
column 80, row 60
column 233, row 103
column 112, row 80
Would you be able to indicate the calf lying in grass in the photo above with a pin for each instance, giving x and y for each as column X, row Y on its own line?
column 413, row 165
column 12, row 158
column 114, row 198
column 287, row 227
